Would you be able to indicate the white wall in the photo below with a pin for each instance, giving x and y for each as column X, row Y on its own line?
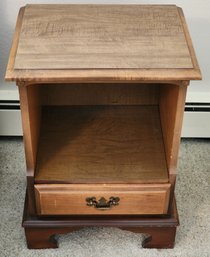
column 196, row 12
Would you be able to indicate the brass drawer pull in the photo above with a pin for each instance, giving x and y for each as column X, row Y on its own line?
column 102, row 203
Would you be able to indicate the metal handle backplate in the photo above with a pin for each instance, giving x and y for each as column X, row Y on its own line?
column 102, row 203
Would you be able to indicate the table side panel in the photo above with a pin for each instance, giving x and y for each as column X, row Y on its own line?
column 172, row 104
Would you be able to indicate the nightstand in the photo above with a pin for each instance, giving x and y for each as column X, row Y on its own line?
column 102, row 94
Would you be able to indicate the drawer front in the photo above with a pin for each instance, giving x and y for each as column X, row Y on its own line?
column 62, row 199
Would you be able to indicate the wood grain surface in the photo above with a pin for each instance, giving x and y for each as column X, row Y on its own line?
column 160, row 230
column 171, row 106
column 100, row 94
column 71, row 199
column 102, row 144
column 152, row 36
column 30, row 105
column 102, row 36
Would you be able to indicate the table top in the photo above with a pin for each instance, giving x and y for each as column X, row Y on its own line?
column 101, row 43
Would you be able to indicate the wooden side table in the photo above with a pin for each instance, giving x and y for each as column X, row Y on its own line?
column 102, row 93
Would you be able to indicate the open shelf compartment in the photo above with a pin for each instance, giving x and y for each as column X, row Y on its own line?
column 102, row 140
column 104, row 133
column 101, row 144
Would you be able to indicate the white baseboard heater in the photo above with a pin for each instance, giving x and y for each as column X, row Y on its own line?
column 10, row 118
column 196, row 122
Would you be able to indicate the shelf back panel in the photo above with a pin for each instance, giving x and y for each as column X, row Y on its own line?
column 100, row 94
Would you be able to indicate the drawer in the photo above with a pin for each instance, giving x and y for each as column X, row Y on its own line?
column 100, row 199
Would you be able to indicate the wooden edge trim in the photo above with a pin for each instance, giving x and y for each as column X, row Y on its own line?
column 86, row 82
column 178, row 125
column 175, row 211
column 99, row 187
column 102, row 75
column 37, row 200
column 23, row 94
column 15, row 41
column 189, row 42
column 167, row 197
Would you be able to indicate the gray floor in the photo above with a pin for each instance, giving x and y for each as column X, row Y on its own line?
column 193, row 199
